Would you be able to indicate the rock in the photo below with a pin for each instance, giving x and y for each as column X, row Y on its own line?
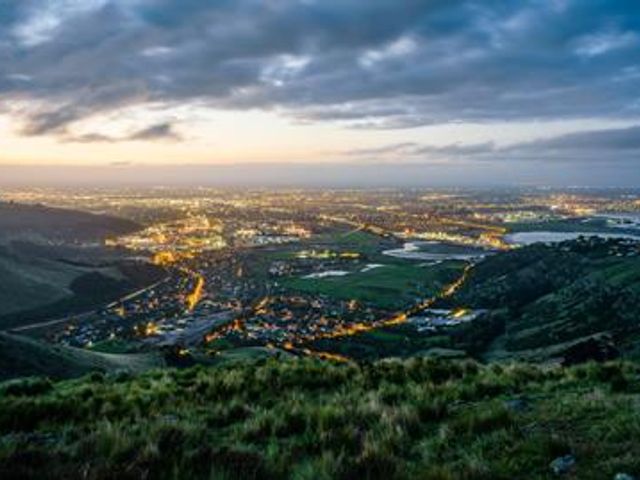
column 623, row 476
column 563, row 465
column 517, row 404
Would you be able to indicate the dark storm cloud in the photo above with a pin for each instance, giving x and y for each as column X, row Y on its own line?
column 621, row 145
column 369, row 64
column 408, row 150
column 618, row 140
column 612, row 145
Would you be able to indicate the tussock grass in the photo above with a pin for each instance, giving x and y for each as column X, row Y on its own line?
column 303, row 419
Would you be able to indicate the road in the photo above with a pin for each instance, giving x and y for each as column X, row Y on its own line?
column 402, row 317
column 84, row 315
column 194, row 333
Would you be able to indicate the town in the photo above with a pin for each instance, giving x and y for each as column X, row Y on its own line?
column 284, row 269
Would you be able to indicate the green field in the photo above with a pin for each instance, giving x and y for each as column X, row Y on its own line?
column 357, row 241
column 582, row 224
column 394, row 285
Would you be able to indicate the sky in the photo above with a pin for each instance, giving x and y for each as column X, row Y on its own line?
column 320, row 91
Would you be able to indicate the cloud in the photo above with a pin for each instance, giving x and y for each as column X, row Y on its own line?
column 613, row 139
column 405, row 148
column 365, row 64
column 90, row 138
column 158, row 132
column 161, row 131
column 613, row 146
column 603, row 42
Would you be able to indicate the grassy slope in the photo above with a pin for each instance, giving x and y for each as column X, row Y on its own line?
column 552, row 295
column 400, row 341
column 33, row 267
column 305, row 419
column 89, row 289
column 33, row 282
column 21, row 356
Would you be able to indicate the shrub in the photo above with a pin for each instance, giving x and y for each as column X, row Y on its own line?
column 27, row 386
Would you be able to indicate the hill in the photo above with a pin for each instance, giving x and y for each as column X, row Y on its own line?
column 44, row 285
column 571, row 302
column 21, row 357
column 37, row 223
column 48, row 258
column 551, row 298
column 306, row 419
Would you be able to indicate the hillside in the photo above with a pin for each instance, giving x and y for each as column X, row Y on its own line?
column 306, row 419
column 42, row 286
column 550, row 297
column 21, row 356
column 37, row 223
column 45, row 264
